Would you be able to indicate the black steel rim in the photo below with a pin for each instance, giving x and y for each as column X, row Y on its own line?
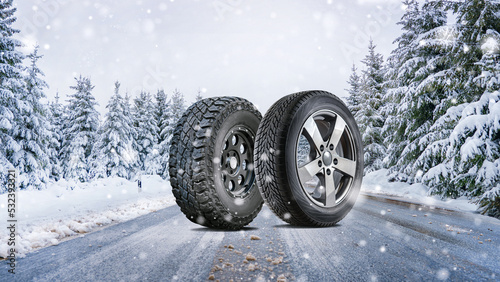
column 236, row 161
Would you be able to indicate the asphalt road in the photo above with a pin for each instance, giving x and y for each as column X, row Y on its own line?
column 380, row 240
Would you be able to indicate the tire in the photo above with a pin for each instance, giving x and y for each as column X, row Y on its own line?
column 211, row 163
column 292, row 178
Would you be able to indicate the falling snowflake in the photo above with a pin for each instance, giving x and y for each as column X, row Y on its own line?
column 264, row 157
column 200, row 220
column 443, row 274
column 228, row 217
column 239, row 201
column 268, row 179
column 490, row 46
column 208, row 133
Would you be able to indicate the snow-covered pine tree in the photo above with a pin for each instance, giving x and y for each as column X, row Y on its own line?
column 369, row 116
column 199, row 97
column 115, row 155
column 32, row 131
column 11, row 86
column 177, row 108
column 162, row 115
column 80, row 131
column 467, row 161
column 146, row 131
column 415, row 84
column 399, row 75
column 163, row 121
column 354, row 91
column 56, row 118
column 128, row 115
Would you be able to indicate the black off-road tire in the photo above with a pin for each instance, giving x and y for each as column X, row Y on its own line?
column 212, row 177
column 316, row 183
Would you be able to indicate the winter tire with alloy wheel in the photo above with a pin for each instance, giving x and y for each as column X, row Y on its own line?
column 211, row 163
column 309, row 159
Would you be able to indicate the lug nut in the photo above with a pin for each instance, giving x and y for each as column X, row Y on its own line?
column 331, row 147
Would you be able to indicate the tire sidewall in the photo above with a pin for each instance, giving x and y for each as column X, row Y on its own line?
column 315, row 212
column 253, row 199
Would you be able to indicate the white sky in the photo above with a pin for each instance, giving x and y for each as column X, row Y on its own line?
column 256, row 49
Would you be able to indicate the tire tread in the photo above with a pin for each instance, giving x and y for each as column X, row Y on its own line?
column 191, row 174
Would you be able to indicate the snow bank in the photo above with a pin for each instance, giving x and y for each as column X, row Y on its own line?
column 376, row 183
column 69, row 208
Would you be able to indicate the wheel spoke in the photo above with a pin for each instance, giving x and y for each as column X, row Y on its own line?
column 337, row 131
column 311, row 129
column 330, row 190
column 246, row 156
column 345, row 166
column 309, row 170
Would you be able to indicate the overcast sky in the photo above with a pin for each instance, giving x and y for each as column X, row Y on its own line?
column 260, row 50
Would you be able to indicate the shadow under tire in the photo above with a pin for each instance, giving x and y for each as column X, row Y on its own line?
column 211, row 163
column 309, row 159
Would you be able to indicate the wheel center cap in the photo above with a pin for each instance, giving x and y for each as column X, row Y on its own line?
column 233, row 163
column 327, row 158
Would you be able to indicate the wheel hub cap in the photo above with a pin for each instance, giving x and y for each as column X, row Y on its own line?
column 327, row 158
column 233, row 162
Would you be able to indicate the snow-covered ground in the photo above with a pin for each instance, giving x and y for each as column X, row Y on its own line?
column 377, row 183
column 70, row 208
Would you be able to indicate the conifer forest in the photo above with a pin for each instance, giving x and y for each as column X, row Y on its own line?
column 428, row 113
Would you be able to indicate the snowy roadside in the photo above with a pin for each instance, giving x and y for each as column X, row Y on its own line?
column 70, row 208
column 376, row 183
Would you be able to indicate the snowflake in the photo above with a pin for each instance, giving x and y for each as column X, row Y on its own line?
column 268, row 179
column 264, row 157
column 200, row 220
column 239, row 201
column 490, row 46
column 208, row 133
column 443, row 274
column 228, row 217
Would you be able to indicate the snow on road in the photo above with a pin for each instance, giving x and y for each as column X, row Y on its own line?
column 376, row 183
column 70, row 208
